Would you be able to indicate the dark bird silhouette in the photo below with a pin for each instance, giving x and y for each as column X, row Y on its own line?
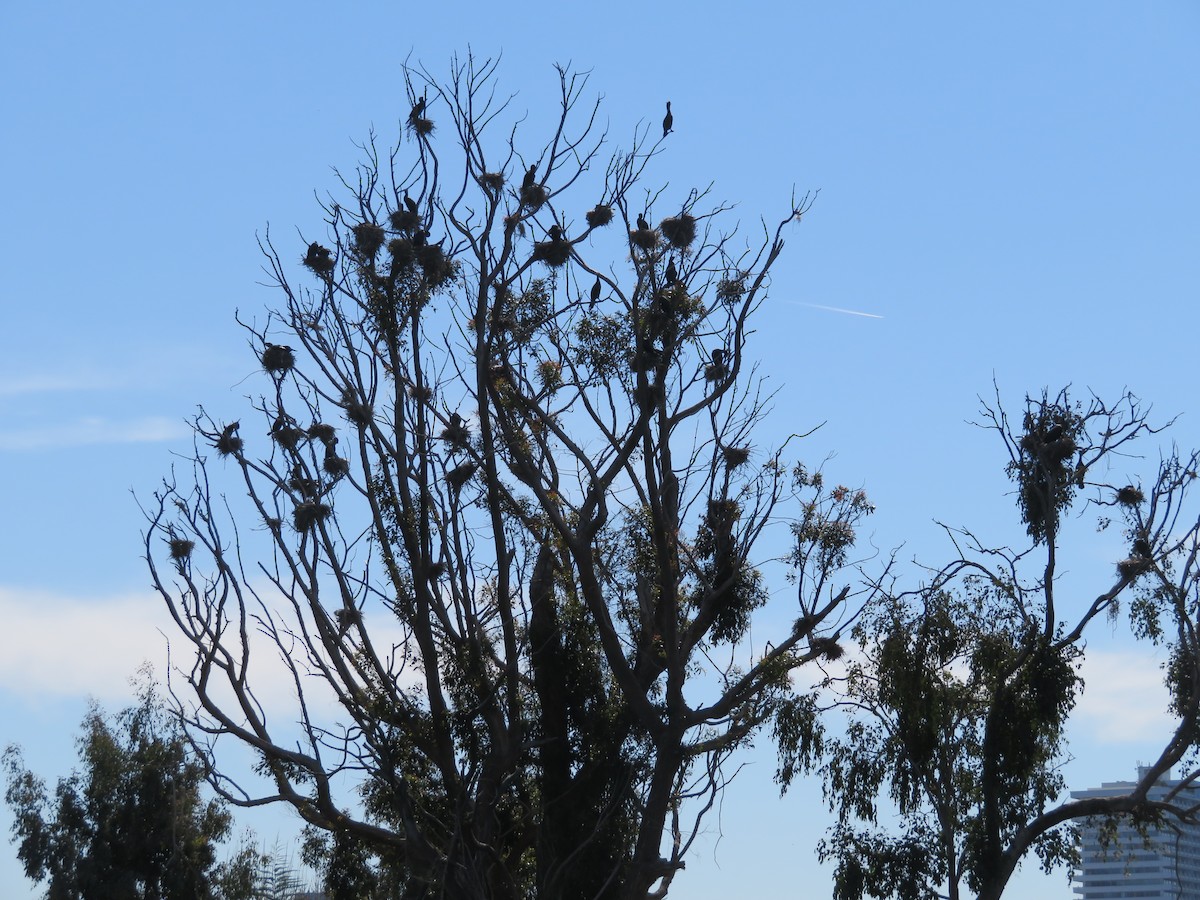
column 411, row 204
column 596, row 289
column 556, row 232
column 642, row 224
column 1141, row 547
column 527, row 181
column 668, row 120
column 716, row 370
column 317, row 255
column 1053, row 433
column 418, row 110
column 672, row 274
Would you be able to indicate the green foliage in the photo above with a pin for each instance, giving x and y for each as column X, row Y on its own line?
column 966, row 704
column 132, row 823
column 1047, row 480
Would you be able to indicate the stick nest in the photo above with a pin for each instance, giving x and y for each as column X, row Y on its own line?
column 552, row 253
column 599, row 216
column 277, row 358
column 645, row 238
column 533, row 196
column 308, row 515
column 680, row 230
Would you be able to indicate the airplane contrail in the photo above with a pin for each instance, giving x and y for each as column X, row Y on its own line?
column 837, row 309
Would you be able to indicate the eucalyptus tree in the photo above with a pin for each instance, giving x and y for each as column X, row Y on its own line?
column 962, row 688
column 502, row 498
column 132, row 822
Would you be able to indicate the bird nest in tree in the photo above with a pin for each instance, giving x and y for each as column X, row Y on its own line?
column 181, row 548
column 735, row 456
column 319, row 259
column 437, row 268
column 403, row 253
column 680, row 230
column 277, row 358
column 552, row 253
column 309, row 514
column 827, row 647
column 492, row 181
column 405, row 220
column 319, row 431
column 460, row 475
column 421, row 125
column 533, row 196
column 1133, row 566
column 645, row 238
column 457, row 435
column 599, row 216
column 1130, row 496
column 228, row 442
column 286, row 436
column 347, row 617
column 336, row 466
column 358, row 413
column 420, row 392
column 368, row 238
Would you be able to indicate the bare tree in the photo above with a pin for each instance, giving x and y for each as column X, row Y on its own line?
column 964, row 686
column 500, row 532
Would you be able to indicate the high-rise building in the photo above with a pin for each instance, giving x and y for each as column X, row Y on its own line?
column 1164, row 864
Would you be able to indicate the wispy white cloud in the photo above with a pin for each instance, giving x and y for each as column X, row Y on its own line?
column 65, row 646
column 94, row 430
column 43, row 383
column 57, row 645
column 1124, row 701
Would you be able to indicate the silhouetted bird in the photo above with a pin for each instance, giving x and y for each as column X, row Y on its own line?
column 527, row 181
column 411, row 204
column 672, row 274
column 642, row 224
column 716, row 370
column 418, row 110
column 1141, row 547
column 596, row 289
column 555, row 232
column 317, row 255
column 1053, row 433
column 668, row 120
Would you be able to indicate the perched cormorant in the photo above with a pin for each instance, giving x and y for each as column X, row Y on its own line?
column 672, row 274
column 596, row 289
column 316, row 254
column 527, row 181
column 642, row 224
column 716, row 370
column 668, row 120
column 418, row 110
column 555, row 232
column 411, row 204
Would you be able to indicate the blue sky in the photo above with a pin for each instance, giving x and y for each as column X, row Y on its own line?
column 1012, row 188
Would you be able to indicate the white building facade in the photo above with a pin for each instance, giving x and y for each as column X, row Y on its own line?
column 1163, row 865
